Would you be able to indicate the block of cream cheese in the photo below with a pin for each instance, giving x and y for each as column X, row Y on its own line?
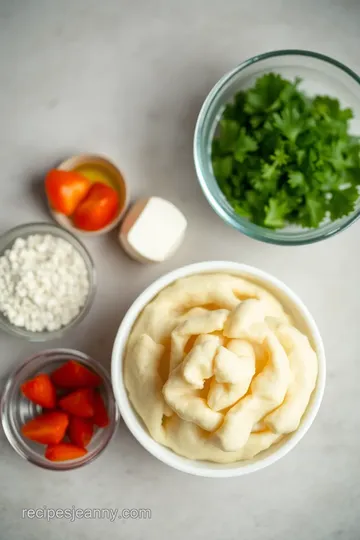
column 152, row 230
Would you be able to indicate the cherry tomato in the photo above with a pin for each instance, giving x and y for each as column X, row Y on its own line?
column 65, row 190
column 98, row 209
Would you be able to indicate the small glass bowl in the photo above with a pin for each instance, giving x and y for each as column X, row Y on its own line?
column 16, row 409
column 320, row 74
column 23, row 231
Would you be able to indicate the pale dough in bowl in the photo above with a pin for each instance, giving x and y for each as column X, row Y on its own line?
column 217, row 369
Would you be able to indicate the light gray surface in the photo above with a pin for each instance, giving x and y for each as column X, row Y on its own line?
column 128, row 79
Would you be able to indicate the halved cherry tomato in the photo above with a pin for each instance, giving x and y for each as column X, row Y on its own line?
column 64, row 452
column 40, row 390
column 98, row 208
column 72, row 374
column 65, row 190
column 47, row 428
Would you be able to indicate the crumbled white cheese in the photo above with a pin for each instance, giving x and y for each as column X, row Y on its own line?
column 43, row 283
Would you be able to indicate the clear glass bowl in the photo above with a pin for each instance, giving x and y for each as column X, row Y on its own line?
column 320, row 75
column 23, row 231
column 16, row 409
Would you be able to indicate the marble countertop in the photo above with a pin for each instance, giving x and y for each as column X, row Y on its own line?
column 127, row 78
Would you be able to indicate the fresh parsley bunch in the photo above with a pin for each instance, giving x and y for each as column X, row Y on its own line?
column 281, row 157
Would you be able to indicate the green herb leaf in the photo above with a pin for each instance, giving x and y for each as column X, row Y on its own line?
column 342, row 202
column 289, row 122
column 329, row 109
column 297, row 180
column 280, row 156
column 222, row 167
column 265, row 93
column 244, row 145
column 229, row 131
column 276, row 213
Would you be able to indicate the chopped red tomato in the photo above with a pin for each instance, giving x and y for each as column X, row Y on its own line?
column 65, row 190
column 80, row 431
column 40, row 390
column 48, row 428
column 72, row 374
column 79, row 403
column 97, row 209
column 101, row 417
column 64, row 452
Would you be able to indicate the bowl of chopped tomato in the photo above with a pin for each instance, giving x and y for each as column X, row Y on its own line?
column 58, row 410
column 87, row 194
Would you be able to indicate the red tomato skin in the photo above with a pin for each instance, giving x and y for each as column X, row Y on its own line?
column 98, row 209
column 65, row 190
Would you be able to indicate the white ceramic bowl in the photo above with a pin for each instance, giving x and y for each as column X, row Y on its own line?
column 303, row 320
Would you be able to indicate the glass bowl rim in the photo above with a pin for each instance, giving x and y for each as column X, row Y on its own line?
column 60, row 232
column 12, row 379
column 306, row 236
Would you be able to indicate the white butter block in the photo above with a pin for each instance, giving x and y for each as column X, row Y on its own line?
column 152, row 230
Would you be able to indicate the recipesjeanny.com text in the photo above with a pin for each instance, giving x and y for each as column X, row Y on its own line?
column 73, row 513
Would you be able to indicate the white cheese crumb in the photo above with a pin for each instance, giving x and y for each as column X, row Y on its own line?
column 43, row 283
